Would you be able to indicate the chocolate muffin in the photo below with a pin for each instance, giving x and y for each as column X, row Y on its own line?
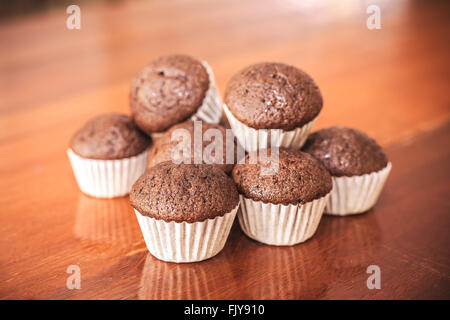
column 358, row 166
column 164, row 147
column 184, row 193
column 300, row 179
column 109, row 136
column 168, row 91
column 107, row 155
column 285, row 207
column 273, row 96
column 345, row 151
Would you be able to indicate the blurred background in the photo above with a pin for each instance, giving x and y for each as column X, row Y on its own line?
column 396, row 76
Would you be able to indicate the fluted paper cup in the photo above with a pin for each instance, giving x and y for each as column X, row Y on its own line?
column 278, row 224
column 357, row 194
column 210, row 110
column 183, row 241
column 252, row 139
column 107, row 178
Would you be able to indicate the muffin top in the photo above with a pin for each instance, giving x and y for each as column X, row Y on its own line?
column 345, row 151
column 168, row 91
column 184, row 192
column 273, row 96
column 108, row 137
column 165, row 149
column 299, row 179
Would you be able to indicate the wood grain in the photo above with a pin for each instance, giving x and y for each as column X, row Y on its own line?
column 392, row 83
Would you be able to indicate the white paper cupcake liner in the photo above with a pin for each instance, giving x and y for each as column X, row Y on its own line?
column 252, row 139
column 278, row 224
column 211, row 108
column 357, row 194
column 107, row 178
column 183, row 241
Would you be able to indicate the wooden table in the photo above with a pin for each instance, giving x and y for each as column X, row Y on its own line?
column 392, row 83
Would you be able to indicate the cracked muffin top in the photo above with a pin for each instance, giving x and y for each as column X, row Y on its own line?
column 345, row 151
column 184, row 192
column 298, row 179
column 273, row 96
column 164, row 149
column 108, row 137
column 168, row 91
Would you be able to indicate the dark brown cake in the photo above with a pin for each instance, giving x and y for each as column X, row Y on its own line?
column 167, row 92
column 164, row 147
column 300, row 179
column 109, row 136
column 184, row 192
column 224, row 121
column 273, row 96
column 345, row 151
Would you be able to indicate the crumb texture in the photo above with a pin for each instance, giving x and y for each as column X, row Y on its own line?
column 345, row 151
column 184, row 192
column 300, row 178
column 273, row 96
column 168, row 149
column 108, row 137
column 167, row 92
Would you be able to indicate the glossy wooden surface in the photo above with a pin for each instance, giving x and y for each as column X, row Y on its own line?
column 391, row 83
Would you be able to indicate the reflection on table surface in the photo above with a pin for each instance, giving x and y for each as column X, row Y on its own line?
column 106, row 220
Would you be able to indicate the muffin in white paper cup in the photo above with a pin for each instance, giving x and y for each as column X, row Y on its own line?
column 283, row 208
column 272, row 104
column 107, row 155
column 210, row 110
column 173, row 89
column 358, row 165
column 185, row 211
